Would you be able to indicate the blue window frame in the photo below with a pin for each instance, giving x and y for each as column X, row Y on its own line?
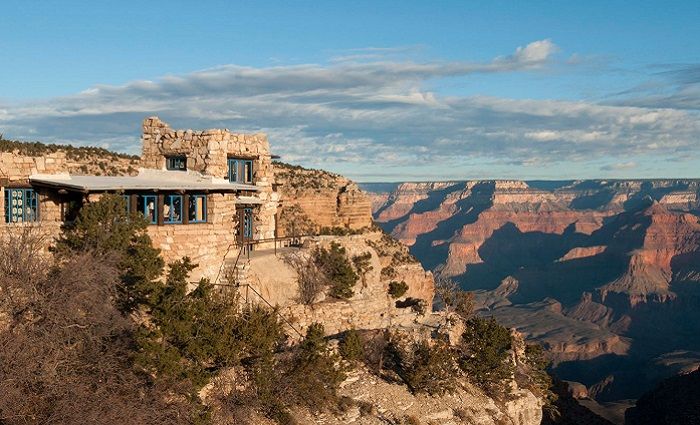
column 197, row 209
column 176, row 163
column 248, row 223
column 127, row 201
column 172, row 209
column 21, row 206
column 240, row 170
column 148, row 206
column 247, row 171
column 233, row 170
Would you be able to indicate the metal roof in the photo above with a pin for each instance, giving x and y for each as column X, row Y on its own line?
column 145, row 180
column 248, row 200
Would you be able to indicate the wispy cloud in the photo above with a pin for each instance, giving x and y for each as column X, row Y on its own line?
column 674, row 86
column 619, row 166
column 377, row 114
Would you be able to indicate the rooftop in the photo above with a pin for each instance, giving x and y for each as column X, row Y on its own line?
column 145, row 180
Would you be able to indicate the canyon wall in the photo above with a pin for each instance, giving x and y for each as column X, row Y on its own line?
column 315, row 199
column 605, row 274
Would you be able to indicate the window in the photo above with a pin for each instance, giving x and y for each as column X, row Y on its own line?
column 247, row 171
column 127, row 202
column 172, row 209
column 176, row 163
column 248, row 223
column 233, row 170
column 146, row 204
column 21, row 205
column 240, row 170
column 197, row 209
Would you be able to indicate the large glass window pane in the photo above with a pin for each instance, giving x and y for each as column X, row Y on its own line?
column 248, row 171
column 197, row 209
column 233, row 170
column 172, row 209
column 240, row 170
column 147, row 205
column 127, row 202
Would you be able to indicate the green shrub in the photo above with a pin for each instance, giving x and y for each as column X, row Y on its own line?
column 72, row 152
column 397, row 289
column 200, row 332
column 335, row 266
column 352, row 346
column 537, row 373
column 305, row 376
column 388, row 272
column 453, row 298
column 483, row 354
column 313, row 376
column 362, row 265
column 418, row 305
column 105, row 228
column 427, row 367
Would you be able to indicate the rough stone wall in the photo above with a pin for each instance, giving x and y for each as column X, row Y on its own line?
column 50, row 217
column 327, row 199
column 207, row 152
column 206, row 244
column 17, row 164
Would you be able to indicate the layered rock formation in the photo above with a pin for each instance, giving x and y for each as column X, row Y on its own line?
column 606, row 274
column 314, row 199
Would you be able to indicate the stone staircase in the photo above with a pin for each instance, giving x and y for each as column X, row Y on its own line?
column 236, row 274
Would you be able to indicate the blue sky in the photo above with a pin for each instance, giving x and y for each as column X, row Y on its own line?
column 401, row 90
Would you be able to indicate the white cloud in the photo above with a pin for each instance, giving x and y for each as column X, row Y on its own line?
column 376, row 115
column 619, row 166
column 535, row 52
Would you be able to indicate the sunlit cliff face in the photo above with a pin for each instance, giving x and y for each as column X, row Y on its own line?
column 604, row 273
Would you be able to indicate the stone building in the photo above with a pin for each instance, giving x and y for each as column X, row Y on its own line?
column 206, row 193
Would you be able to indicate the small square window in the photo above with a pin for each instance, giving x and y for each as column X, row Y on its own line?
column 21, row 206
column 176, row 163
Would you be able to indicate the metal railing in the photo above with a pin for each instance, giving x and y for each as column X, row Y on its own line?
column 259, row 295
column 246, row 247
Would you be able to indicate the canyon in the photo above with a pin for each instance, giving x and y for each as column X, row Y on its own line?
column 605, row 274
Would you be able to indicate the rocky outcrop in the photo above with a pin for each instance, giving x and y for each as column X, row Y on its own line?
column 674, row 401
column 326, row 199
column 604, row 273
column 393, row 403
column 19, row 160
column 371, row 306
